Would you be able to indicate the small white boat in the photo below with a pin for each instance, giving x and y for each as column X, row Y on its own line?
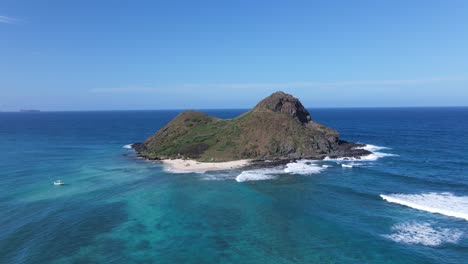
column 58, row 183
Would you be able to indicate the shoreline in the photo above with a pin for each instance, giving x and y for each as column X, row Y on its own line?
column 349, row 152
column 187, row 166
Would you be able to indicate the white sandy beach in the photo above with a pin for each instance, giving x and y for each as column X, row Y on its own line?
column 180, row 165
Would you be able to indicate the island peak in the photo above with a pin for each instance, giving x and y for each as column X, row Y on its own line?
column 277, row 128
column 284, row 103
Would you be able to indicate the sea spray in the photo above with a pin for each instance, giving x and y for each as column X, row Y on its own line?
column 423, row 233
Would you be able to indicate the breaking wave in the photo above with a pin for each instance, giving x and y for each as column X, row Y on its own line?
column 441, row 203
column 372, row 148
column 424, row 234
column 128, row 146
column 302, row 167
column 376, row 154
column 257, row 175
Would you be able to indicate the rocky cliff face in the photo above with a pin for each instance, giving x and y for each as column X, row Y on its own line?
column 279, row 127
column 284, row 103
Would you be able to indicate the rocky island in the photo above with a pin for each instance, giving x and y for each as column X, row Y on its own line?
column 278, row 129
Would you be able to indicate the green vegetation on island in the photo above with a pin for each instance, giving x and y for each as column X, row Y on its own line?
column 279, row 127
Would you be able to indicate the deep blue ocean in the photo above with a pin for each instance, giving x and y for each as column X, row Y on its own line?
column 116, row 208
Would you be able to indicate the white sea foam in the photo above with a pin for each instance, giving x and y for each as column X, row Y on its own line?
column 372, row 148
column 441, row 203
column 375, row 155
column 257, row 175
column 424, row 234
column 371, row 157
column 303, row 167
column 128, row 146
column 346, row 166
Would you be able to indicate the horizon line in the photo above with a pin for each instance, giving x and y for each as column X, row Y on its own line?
column 186, row 109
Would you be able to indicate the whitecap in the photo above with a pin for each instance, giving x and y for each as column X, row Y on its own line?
column 372, row 148
column 303, row 167
column 257, row 175
column 423, row 234
column 375, row 155
column 346, row 166
column 442, row 203
column 128, row 146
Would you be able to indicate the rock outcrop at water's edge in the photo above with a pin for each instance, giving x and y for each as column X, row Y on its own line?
column 278, row 128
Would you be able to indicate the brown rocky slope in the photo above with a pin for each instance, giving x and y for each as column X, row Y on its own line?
column 278, row 128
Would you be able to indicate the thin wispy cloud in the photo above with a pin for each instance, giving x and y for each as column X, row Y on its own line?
column 359, row 83
column 8, row 20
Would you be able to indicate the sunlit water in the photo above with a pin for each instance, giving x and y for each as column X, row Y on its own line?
column 116, row 208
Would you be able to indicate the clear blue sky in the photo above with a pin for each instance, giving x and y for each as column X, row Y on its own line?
column 102, row 55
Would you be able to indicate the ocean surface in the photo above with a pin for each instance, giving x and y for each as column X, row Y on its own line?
column 407, row 203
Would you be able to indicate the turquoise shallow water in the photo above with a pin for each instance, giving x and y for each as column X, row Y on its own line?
column 116, row 208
